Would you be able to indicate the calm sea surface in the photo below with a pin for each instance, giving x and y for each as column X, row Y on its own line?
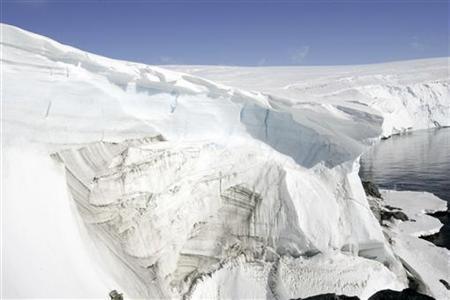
column 417, row 161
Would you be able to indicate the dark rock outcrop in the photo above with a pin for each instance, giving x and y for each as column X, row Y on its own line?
column 115, row 295
column 406, row 294
column 441, row 238
column 445, row 283
column 330, row 297
column 371, row 189
column 387, row 215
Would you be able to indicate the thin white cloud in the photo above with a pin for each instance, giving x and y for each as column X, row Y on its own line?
column 262, row 61
column 167, row 60
column 300, row 54
column 416, row 44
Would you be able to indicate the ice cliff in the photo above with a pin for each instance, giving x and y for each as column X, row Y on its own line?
column 407, row 95
column 172, row 185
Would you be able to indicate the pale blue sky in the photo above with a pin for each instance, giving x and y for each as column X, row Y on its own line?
column 322, row 32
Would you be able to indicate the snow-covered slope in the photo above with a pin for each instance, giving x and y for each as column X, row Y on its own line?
column 408, row 95
column 175, row 177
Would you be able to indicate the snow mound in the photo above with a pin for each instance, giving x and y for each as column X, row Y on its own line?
column 337, row 273
column 292, row 278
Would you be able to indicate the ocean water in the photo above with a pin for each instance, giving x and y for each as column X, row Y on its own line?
column 417, row 161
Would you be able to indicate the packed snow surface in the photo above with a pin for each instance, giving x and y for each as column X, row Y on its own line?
column 416, row 205
column 291, row 278
column 161, row 184
column 428, row 263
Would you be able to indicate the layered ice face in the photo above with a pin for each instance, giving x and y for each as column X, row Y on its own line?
column 177, row 211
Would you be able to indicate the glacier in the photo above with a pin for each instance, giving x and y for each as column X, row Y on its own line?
column 198, row 181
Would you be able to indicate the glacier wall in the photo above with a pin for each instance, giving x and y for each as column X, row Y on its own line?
column 407, row 95
column 177, row 211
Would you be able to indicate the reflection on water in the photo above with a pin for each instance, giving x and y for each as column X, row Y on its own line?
column 418, row 161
